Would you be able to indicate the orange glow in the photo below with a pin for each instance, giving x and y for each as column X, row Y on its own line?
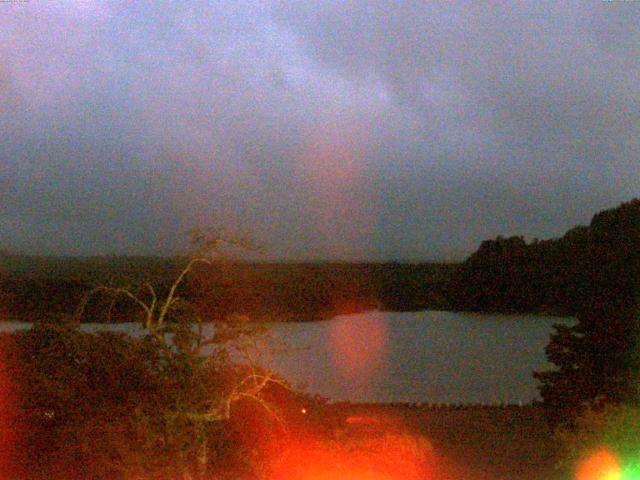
column 388, row 457
column 601, row 465
column 357, row 349
column 359, row 420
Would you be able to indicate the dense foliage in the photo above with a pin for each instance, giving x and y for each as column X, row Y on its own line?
column 76, row 396
column 587, row 266
column 108, row 406
column 598, row 359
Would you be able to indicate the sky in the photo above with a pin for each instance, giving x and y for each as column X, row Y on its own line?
column 342, row 130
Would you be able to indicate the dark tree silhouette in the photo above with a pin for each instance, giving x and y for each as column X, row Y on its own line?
column 598, row 359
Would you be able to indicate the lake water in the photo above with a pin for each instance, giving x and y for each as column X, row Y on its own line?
column 419, row 357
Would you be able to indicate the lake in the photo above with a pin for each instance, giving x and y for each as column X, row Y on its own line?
column 418, row 357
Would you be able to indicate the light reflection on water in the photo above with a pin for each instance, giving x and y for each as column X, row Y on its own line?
column 429, row 356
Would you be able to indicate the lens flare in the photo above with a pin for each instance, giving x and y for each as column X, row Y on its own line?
column 631, row 472
column 358, row 345
column 332, row 163
column 600, row 465
column 334, row 154
column 388, row 457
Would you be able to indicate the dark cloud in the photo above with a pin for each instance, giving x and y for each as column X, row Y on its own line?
column 373, row 129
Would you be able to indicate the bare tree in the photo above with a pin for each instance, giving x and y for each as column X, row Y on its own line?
column 190, row 354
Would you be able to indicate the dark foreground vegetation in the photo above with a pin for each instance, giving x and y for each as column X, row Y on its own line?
column 76, row 405
column 79, row 405
column 106, row 406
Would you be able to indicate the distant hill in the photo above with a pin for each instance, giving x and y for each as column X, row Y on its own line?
column 559, row 276
column 36, row 288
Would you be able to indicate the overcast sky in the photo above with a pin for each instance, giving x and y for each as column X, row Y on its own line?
column 370, row 129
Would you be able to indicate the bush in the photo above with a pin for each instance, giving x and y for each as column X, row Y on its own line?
column 75, row 393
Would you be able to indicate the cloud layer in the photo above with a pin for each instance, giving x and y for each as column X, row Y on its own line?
column 377, row 129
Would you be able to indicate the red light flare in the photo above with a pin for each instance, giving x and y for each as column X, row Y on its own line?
column 332, row 161
column 334, row 155
column 368, row 443
column 600, row 465
column 7, row 416
column 388, row 457
column 358, row 345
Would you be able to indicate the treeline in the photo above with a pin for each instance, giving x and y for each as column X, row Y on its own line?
column 37, row 288
column 507, row 274
column 589, row 265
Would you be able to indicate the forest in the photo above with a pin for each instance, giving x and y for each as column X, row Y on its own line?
column 588, row 264
column 34, row 288
column 506, row 274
